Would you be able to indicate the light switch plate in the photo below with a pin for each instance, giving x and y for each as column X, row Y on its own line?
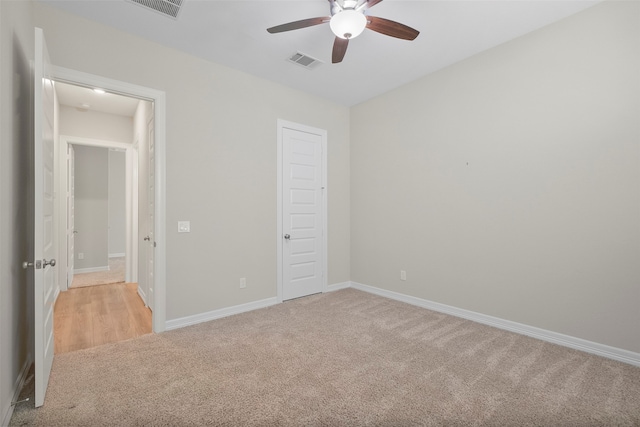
column 184, row 226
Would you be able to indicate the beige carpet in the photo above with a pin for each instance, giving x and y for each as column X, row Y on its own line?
column 345, row 358
column 115, row 274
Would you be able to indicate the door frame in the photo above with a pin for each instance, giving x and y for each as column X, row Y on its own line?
column 131, row 195
column 65, row 248
column 149, row 260
column 158, row 97
column 284, row 124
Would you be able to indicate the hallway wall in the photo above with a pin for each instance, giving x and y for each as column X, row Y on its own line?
column 91, row 208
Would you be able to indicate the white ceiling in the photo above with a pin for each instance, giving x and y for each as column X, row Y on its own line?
column 233, row 33
column 87, row 99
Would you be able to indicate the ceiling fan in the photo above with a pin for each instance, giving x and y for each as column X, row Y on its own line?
column 347, row 21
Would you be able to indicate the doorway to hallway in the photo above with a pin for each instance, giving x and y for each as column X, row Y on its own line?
column 103, row 152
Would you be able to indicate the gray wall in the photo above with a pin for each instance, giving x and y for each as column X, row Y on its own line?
column 221, row 161
column 509, row 184
column 91, row 207
column 117, row 198
column 16, row 140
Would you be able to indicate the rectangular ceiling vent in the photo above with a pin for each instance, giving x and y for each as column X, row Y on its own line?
column 169, row 8
column 304, row 60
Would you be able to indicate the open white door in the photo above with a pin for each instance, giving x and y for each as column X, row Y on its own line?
column 44, row 283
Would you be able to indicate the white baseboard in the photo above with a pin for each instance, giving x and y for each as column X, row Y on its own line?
column 338, row 286
column 117, row 255
column 217, row 314
column 7, row 407
column 90, row 269
column 609, row 352
column 143, row 296
column 229, row 311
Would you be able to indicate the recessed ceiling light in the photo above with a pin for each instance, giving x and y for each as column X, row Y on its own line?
column 98, row 90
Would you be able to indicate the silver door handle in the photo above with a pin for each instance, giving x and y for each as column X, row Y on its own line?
column 286, row 236
column 52, row 263
column 147, row 238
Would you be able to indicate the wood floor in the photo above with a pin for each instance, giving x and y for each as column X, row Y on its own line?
column 96, row 315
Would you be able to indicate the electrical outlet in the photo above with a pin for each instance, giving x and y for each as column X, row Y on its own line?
column 403, row 275
column 243, row 282
column 80, row 255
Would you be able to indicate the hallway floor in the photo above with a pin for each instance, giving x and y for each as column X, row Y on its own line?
column 95, row 315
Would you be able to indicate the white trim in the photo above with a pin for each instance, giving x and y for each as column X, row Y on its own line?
column 94, row 142
column 160, row 229
column 580, row 344
column 338, row 286
column 118, row 255
column 220, row 313
column 325, row 216
column 160, row 110
column 143, row 296
column 132, row 207
column 17, row 388
column 279, row 214
column 323, row 134
column 90, row 269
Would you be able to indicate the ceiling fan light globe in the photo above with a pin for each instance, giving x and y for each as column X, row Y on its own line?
column 348, row 24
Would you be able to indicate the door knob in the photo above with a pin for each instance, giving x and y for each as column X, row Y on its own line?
column 52, row 263
column 286, row 236
column 147, row 238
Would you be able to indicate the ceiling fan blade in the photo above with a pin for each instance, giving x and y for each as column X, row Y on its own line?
column 296, row 25
column 339, row 49
column 370, row 3
column 391, row 28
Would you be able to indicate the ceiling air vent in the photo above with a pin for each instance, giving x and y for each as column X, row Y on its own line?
column 303, row 60
column 169, row 8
